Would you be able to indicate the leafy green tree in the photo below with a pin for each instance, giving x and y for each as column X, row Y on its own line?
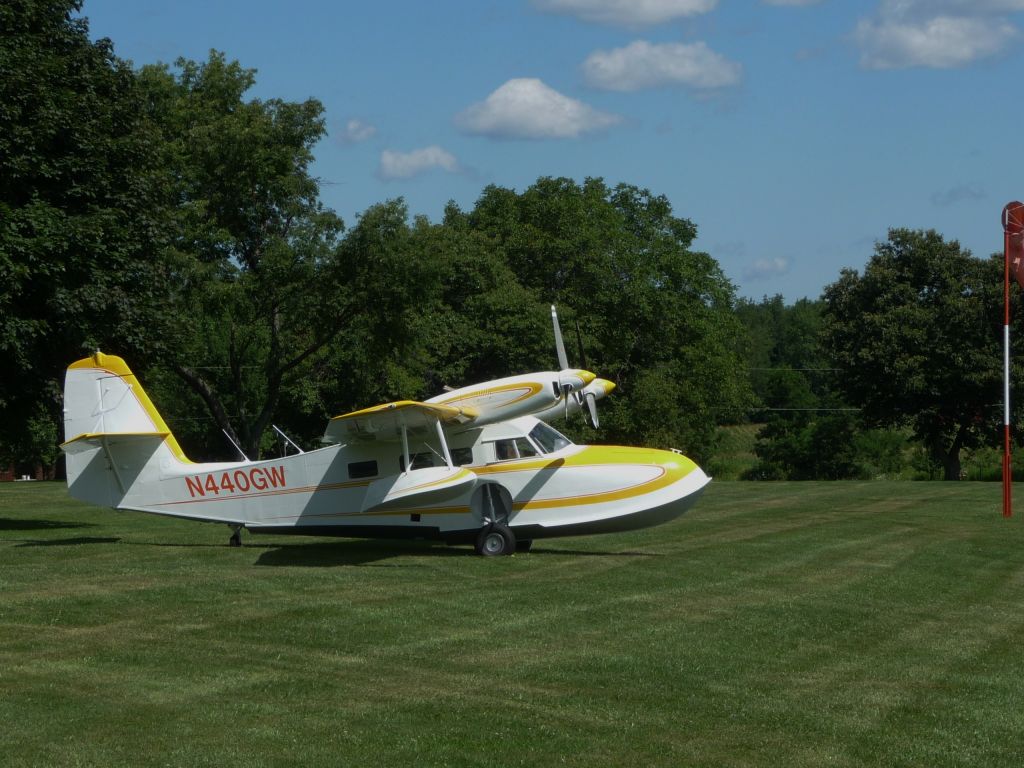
column 265, row 283
column 805, row 447
column 787, row 366
column 918, row 339
column 78, row 209
column 657, row 316
column 391, row 275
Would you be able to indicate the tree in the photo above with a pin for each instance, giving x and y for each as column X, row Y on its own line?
column 78, row 209
column 657, row 315
column 783, row 352
column 918, row 339
column 264, row 283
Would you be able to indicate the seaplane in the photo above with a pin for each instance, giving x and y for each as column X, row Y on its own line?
column 478, row 465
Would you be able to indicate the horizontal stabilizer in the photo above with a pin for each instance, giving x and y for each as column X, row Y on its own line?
column 416, row 488
column 384, row 422
column 91, row 440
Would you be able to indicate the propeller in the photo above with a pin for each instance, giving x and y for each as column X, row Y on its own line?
column 589, row 397
column 563, row 361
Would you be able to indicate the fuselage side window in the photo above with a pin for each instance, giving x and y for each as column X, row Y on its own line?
column 513, row 448
column 419, row 461
column 360, row 469
column 462, row 457
column 505, row 450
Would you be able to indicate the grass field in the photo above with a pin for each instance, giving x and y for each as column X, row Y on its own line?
column 789, row 624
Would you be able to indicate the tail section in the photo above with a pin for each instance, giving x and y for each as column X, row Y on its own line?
column 115, row 437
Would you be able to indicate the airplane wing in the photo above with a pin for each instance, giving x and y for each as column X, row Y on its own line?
column 384, row 422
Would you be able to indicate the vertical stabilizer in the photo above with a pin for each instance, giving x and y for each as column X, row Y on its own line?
column 114, row 435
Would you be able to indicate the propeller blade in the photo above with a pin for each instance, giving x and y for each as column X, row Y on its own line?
column 563, row 361
column 592, row 407
column 579, row 345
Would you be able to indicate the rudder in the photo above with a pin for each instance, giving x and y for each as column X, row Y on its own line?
column 106, row 409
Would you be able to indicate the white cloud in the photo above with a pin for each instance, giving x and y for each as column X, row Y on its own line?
column 942, row 42
column 526, row 108
column 356, row 130
column 908, row 9
column 941, row 34
column 405, row 165
column 645, row 65
column 762, row 269
column 629, row 13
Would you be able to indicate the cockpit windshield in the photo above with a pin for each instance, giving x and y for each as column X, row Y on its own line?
column 548, row 438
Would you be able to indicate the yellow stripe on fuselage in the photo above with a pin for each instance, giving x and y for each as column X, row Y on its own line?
column 674, row 468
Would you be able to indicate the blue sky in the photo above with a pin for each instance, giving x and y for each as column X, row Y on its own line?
column 793, row 133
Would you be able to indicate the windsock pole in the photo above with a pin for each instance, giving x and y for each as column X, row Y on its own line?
column 1013, row 259
column 1007, row 469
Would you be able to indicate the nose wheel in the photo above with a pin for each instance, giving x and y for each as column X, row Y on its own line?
column 494, row 540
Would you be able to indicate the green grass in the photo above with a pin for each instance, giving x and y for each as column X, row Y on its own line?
column 789, row 624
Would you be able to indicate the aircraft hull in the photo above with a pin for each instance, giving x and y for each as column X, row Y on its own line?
column 581, row 490
column 644, row 518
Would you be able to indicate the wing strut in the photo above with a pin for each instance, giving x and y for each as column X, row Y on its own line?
column 444, row 444
column 405, row 447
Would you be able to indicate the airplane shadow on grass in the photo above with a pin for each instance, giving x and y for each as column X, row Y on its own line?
column 70, row 542
column 315, row 555
column 21, row 524
column 342, row 553
column 591, row 553
column 350, row 552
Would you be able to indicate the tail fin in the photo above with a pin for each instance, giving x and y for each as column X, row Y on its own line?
column 114, row 433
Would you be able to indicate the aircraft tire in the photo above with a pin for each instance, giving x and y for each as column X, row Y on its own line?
column 495, row 539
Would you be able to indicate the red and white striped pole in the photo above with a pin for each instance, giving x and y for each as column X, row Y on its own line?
column 1013, row 256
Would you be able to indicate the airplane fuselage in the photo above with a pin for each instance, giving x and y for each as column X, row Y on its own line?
column 468, row 465
column 349, row 490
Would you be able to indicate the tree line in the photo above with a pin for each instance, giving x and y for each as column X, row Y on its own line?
column 163, row 215
column 894, row 371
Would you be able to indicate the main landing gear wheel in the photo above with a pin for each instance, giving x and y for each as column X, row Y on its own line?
column 495, row 539
column 236, row 536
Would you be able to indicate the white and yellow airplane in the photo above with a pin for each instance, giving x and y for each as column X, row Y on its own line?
column 473, row 465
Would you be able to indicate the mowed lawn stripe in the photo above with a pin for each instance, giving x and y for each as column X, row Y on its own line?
column 845, row 624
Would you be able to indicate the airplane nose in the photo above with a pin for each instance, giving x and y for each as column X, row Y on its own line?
column 586, row 376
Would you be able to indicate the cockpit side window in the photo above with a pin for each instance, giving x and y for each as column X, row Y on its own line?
column 549, row 438
column 514, row 448
column 526, row 448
